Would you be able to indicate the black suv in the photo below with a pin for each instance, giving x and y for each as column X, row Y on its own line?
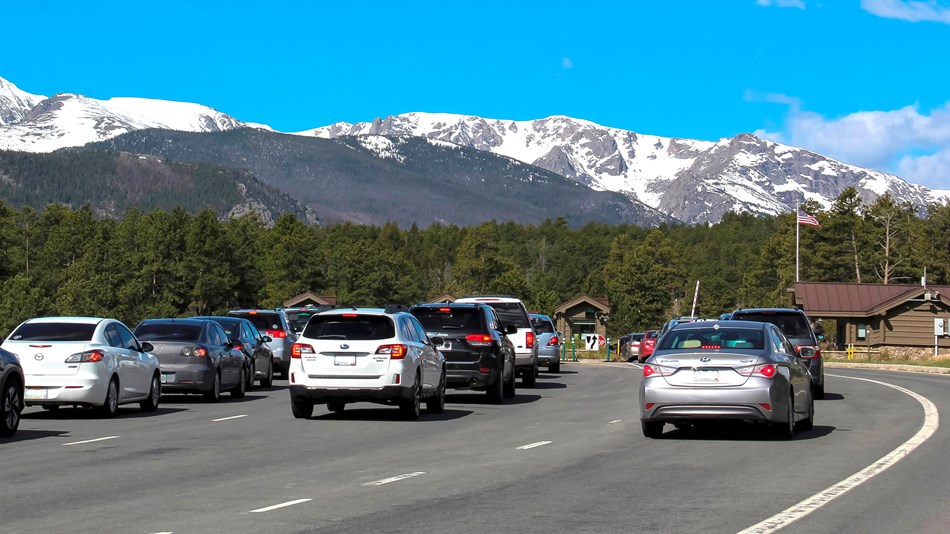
column 797, row 328
column 478, row 354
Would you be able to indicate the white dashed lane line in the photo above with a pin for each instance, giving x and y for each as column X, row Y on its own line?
column 228, row 418
column 281, row 505
column 396, row 478
column 533, row 445
column 615, row 421
column 816, row 501
column 90, row 440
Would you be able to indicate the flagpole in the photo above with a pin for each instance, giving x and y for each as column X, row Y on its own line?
column 796, row 241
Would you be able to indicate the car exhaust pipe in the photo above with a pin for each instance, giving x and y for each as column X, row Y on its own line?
column 473, row 381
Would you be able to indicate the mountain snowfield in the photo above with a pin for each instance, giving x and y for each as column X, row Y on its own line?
column 691, row 180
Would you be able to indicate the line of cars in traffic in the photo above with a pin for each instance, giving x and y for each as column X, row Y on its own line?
column 393, row 355
column 760, row 365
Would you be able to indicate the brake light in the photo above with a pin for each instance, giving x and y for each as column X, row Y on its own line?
column 529, row 340
column 395, row 352
column 808, row 351
column 648, row 371
column 553, row 341
column 767, row 370
column 200, row 352
column 276, row 334
column 299, row 349
column 710, row 347
column 239, row 347
column 478, row 339
column 654, row 369
column 90, row 356
column 445, row 310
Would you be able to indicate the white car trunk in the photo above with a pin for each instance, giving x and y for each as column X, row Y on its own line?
column 349, row 358
column 48, row 358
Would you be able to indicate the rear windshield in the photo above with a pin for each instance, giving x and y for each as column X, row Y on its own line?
column 712, row 339
column 652, row 334
column 636, row 337
column 298, row 320
column 510, row 313
column 456, row 319
column 232, row 328
column 542, row 325
column 263, row 321
column 793, row 325
column 346, row 327
column 167, row 332
column 54, row 332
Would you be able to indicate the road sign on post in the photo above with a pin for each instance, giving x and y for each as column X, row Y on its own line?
column 591, row 341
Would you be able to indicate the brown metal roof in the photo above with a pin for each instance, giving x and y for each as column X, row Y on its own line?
column 856, row 300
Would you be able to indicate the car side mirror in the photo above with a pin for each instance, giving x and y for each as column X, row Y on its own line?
column 146, row 347
column 437, row 340
column 267, row 339
column 511, row 329
column 806, row 352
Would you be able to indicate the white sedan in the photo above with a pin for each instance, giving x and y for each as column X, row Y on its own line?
column 85, row 361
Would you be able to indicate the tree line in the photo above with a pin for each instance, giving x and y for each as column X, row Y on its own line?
column 62, row 261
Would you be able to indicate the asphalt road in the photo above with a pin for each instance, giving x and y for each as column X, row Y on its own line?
column 567, row 456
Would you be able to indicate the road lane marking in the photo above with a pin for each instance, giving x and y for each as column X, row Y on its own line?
column 90, row 440
column 281, row 505
column 533, row 445
column 615, row 421
column 396, row 478
column 228, row 418
column 809, row 505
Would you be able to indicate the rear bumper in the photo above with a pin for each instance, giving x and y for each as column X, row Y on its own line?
column 320, row 394
column 82, row 389
column 549, row 355
column 525, row 359
column 686, row 404
column 187, row 380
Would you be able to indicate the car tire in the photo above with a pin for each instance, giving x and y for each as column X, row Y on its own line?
column 652, row 429
column 154, row 396
column 301, row 408
column 819, row 391
column 111, row 404
column 786, row 429
column 509, row 391
column 809, row 422
column 268, row 381
column 529, row 378
column 436, row 403
column 214, row 394
column 250, row 378
column 555, row 367
column 11, row 404
column 240, row 389
column 411, row 408
column 496, row 391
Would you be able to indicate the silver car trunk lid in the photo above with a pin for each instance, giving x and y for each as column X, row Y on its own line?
column 707, row 368
column 176, row 352
column 47, row 358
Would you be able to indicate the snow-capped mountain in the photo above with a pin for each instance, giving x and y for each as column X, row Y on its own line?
column 693, row 181
column 33, row 123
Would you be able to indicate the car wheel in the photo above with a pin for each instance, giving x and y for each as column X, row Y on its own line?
column 496, row 394
column 786, row 429
column 240, row 390
column 436, row 403
column 268, row 381
column 510, row 386
column 819, row 391
column 11, row 404
column 214, row 394
column 652, row 429
column 529, row 378
column 809, row 422
column 154, row 396
column 336, row 406
column 111, row 404
column 302, row 408
column 412, row 407
column 555, row 367
column 250, row 378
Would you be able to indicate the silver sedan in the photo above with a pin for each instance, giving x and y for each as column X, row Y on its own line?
column 725, row 370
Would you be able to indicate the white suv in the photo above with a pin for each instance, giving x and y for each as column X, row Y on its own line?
column 366, row 355
column 511, row 311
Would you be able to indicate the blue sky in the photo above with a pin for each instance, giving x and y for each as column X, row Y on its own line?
column 864, row 81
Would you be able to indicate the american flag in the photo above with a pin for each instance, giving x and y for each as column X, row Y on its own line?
column 806, row 219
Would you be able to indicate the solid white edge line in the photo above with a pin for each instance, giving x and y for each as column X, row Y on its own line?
column 809, row 505
column 396, row 478
column 281, row 505
column 90, row 440
column 533, row 445
column 228, row 418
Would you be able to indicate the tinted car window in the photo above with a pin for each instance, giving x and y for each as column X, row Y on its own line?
column 128, row 340
column 231, row 328
column 510, row 313
column 712, row 339
column 542, row 325
column 793, row 325
column 112, row 336
column 167, row 332
column 420, row 332
column 461, row 319
column 356, row 327
column 636, row 337
column 54, row 332
column 263, row 321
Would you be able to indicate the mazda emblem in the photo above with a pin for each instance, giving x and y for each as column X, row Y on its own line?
column 705, row 359
column 38, row 357
column 344, row 346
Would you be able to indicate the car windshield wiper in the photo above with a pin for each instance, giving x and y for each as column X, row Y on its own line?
column 331, row 336
column 452, row 327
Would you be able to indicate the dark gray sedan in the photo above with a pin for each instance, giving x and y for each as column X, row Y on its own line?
column 725, row 370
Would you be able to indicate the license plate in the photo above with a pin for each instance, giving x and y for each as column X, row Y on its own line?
column 706, row 376
column 36, row 393
column 164, row 378
column 344, row 360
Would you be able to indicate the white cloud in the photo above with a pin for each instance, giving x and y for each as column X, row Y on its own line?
column 751, row 95
column 911, row 11
column 781, row 3
column 567, row 63
column 911, row 144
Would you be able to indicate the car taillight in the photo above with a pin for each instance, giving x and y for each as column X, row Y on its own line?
column 653, row 370
column 553, row 341
column 276, row 334
column 767, row 370
column 808, row 351
column 479, row 340
column 199, row 352
column 86, row 357
column 299, row 349
column 529, row 340
column 395, row 352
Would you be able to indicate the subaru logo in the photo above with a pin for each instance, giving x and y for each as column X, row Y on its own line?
column 344, row 346
column 705, row 359
column 38, row 357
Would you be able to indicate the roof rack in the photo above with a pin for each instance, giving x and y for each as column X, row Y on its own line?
column 393, row 308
